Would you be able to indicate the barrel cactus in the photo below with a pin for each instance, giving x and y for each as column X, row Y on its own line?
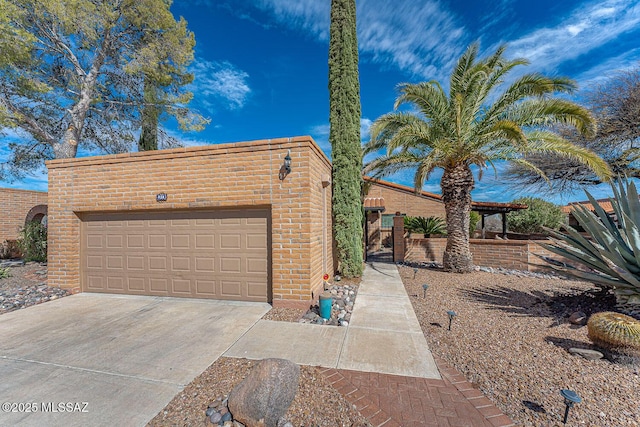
column 616, row 333
column 611, row 253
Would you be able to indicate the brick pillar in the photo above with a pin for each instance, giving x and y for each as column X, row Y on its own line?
column 398, row 238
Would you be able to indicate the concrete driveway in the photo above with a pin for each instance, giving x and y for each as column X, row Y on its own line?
column 95, row 359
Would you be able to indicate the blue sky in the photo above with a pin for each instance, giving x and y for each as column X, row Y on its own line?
column 261, row 65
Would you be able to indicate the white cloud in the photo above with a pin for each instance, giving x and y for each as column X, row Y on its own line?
column 219, row 85
column 590, row 26
column 365, row 125
column 419, row 37
column 605, row 70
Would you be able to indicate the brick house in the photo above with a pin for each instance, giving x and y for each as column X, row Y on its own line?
column 18, row 207
column 383, row 199
column 224, row 221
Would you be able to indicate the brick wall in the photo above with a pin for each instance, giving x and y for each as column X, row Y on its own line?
column 225, row 175
column 398, row 198
column 511, row 254
column 14, row 207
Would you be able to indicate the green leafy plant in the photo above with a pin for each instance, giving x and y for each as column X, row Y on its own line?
column 616, row 333
column 612, row 251
column 540, row 214
column 425, row 226
column 4, row 273
column 33, row 242
column 474, row 219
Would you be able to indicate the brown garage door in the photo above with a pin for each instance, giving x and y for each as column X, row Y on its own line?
column 197, row 254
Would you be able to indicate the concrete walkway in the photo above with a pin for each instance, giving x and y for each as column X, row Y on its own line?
column 383, row 336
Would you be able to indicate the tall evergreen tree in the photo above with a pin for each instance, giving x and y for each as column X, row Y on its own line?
column 72, row 71
column 344, row 135
column 150, row 117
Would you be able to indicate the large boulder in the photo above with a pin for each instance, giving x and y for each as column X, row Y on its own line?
column 265, row 395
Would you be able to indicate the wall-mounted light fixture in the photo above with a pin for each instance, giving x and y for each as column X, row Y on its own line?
column 285, row 169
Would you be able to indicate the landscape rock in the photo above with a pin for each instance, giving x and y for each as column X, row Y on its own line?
column 578, row 318
column 264, row 396
column 587, row 354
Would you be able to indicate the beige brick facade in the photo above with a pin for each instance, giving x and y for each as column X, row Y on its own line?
column 397, row 198
column 14, row 207
column 510, row 254
column 239, row 175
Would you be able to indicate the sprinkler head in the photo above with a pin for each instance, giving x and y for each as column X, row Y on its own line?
column 570, row 398
column 425, row 287
column 451, row 314
column 415, row 271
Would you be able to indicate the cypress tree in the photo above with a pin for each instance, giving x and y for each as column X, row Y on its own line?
column 344, row 136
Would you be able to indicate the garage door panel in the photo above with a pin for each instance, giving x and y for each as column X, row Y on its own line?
column 114, row 241
column 94, row 262
column 230, row 241
column 230, row 265
column 256, row 241
column 135, row 241
column 181, row 286
column 115, row 262
column 231, row 289
column 115, row 283
column 158, row 285
column 180, row 263
column 95, row 283
column 180, row 241
column 230, row 221
column 205, row 241
column 256, row 265
column 157, row 241
column 94, row 241
column 157, row 263
column 135, row 262
column 203, row 254
column 136, row 284
column 205, row 288
column 205, row 265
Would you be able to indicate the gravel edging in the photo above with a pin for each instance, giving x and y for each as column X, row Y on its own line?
column 316, row 403
column 26, row 286
column 510, row 338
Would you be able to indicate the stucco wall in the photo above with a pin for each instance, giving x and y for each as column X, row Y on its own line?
column 226, row 175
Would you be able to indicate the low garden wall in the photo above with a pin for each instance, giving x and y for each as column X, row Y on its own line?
column 510, row 254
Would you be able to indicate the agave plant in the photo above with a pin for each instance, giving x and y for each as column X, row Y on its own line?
column 426, row 226
column 612, row 251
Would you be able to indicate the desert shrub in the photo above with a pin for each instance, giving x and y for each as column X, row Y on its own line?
column 10, row 249
column 4, row 272
column 539, row 215
column 33, row 242
column 425, row 226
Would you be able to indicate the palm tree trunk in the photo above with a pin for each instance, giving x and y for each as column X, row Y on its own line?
column 457, row 183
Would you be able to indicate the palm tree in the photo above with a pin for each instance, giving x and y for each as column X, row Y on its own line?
column 476, row 124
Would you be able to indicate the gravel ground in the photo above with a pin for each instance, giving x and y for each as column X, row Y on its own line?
column 294, row 315
column 316, row 404
column 511, row 336
column 26, row 286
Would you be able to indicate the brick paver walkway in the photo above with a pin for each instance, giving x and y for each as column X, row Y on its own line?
column 393, row 400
